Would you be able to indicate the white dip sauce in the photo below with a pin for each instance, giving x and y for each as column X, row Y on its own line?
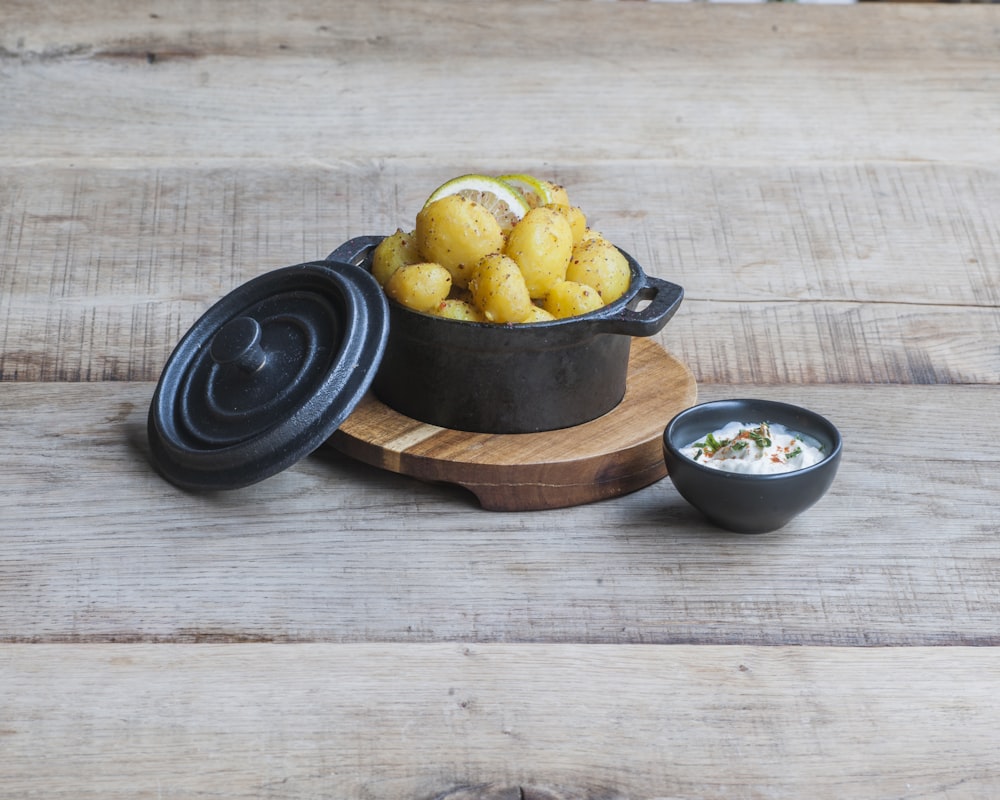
column 761, row 449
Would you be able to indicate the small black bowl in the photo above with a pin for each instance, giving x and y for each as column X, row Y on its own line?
column 747, row 503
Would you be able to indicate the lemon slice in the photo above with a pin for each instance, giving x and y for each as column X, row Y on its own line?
column 535, row 191
column 501, row 199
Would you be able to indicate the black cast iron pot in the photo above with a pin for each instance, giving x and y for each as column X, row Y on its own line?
column 490, row 378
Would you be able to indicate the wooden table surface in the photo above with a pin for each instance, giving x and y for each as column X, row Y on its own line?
column 824, row 181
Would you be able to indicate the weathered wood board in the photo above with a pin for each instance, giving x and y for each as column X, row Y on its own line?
column 824, row 182
column 515, row 81
column 807, row 274
column 467, row 722
column 97, row 547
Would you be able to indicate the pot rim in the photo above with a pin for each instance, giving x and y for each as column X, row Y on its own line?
column 619, row 316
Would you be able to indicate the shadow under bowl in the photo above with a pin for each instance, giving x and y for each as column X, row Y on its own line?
column 748, row 503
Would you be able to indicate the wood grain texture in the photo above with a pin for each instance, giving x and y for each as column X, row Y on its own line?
column 429, row 721
column 883, row 273
column 617, row 453
column 520, row 80
column 96, row 547
column 824, row 182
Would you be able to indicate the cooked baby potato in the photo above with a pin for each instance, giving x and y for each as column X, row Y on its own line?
column 541, row 245
column 459, row 310
column 598, row 263
column 557, row 193
column 539, row 314
column 569, row 299
column 499, row 291
column 421, row 287
column 540, row 259
column 575, row 217
column 392, row 253
column 456, row 233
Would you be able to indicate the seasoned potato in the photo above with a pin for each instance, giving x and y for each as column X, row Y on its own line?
column 458, row 309
column 421, row 287
column 557, row 193
column 569, row 298
column 392, row 253
column 542, row 262
column 499, row 290
column 541, row 245
column 598, row 263
column 575, row 217
column 539, row 314
column 456, row 233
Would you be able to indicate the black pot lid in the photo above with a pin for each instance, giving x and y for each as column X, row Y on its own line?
column 267, row 375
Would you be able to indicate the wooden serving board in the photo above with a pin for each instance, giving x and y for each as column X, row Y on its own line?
column 617, row 453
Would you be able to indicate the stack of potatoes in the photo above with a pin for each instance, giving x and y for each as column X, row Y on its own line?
column 463, row 262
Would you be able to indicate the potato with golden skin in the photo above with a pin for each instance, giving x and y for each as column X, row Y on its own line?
column 557, row 192
column 539, row 314
column 421, row 287
column 541, row 245
column 499, row 291
column 456, row 233
column 575, row 217
column 569, row 299
column 598, row 263
column 456, row 309
column 392, row 253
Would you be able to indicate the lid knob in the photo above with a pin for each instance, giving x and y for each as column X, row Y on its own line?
column 238, row 342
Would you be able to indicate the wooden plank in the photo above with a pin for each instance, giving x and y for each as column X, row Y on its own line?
column 558, row 721
column 878, row 273
column 96, row 547
column 823, row 182
column 624, row 80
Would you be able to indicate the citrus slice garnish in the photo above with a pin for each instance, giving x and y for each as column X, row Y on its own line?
column 502, row 200
column 535, row 191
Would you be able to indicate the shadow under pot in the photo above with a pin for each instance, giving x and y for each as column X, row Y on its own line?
column 489, row 378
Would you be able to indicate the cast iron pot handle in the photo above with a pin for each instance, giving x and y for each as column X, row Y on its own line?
column 355, row 251
column 664, row 300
